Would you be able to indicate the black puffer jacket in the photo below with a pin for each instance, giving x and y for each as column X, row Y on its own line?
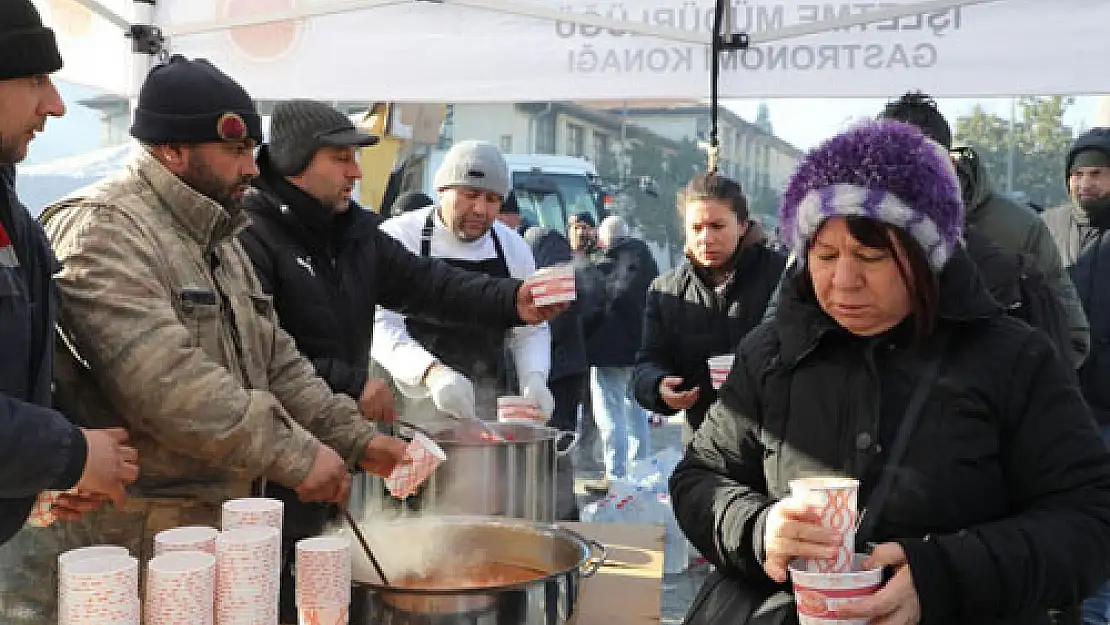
column 614, row 332
column 686, row 322
column 327, row 274
column 1085, row 247
column 39, row 448
column 1002, row 501
column 1017, row 229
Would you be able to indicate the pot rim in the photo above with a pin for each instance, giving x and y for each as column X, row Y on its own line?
column 536, row 434
column 583, row 565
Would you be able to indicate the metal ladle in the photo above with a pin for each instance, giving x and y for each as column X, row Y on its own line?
column 365, row 546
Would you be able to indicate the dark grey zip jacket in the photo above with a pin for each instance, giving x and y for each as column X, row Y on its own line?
column 39, row 448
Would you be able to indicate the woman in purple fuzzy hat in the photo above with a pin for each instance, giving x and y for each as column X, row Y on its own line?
column 985, row 484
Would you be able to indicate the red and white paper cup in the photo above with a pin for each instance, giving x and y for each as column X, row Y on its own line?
column 819, row 595
column 836, row 498
column 517, row 409
column 248, row 562
column 187, row 538
column 553, row 285
column 323, row 566
column 719, row 368
column 181, row 588
column 425, row 456
column 42, row 512
column 331, row 614
column 251, row 512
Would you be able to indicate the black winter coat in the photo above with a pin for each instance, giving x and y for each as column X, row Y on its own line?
column 568, row 347
column 39, row 448
column 686, row 322
column 1085, row 250
column 614, row 333
column 327, row 273
column 1002, row 501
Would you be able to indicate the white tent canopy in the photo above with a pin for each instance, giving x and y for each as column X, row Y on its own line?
column 518, row 50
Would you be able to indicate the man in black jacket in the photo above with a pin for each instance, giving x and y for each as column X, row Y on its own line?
column 40, row 449
column 627, row 269
column 997, row 221
column 1079, row 228
column 328, row 266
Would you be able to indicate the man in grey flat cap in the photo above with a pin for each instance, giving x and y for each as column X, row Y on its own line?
column 327, row 266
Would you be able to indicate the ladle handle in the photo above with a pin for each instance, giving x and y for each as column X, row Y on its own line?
column 414, row 427
column 365, row 545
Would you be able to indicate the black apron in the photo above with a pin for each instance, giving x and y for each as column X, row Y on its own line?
column 476, row 351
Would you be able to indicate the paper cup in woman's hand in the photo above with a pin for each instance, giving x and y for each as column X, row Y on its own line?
column 835, row 498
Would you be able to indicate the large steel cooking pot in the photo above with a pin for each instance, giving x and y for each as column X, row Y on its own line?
column 512, row 478
column 560, row 557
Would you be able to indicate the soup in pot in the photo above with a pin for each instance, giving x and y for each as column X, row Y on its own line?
column 471, row 576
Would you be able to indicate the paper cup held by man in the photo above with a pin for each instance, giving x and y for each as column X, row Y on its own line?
column 553, row 285
column 425, row 456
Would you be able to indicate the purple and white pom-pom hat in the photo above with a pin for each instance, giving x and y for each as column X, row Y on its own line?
column 886, row 170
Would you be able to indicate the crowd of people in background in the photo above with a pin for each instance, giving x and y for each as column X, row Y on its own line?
column 201, row 326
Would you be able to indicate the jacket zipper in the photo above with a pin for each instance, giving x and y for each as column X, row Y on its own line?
column 876, row 418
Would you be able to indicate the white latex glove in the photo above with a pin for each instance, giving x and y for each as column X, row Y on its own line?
column 451, row 392
column 534, row 387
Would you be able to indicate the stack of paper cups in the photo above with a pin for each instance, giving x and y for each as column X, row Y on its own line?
column 251, row 512
column 323, row 580
column 248, row 562
column 180, row 589
column 98, row 588
column 425, row 456
column 189, row 538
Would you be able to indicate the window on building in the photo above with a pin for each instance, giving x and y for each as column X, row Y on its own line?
column 545, row 134
column 601, row 148
column 701, row 128
column 576, row 140
column 507, row 144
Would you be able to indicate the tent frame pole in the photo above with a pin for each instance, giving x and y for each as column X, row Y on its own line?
column 721, row 42
column 147, row 46
column 522, row 8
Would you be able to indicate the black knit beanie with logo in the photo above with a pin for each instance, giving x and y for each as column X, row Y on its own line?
column 27, row 48
column 192, row 101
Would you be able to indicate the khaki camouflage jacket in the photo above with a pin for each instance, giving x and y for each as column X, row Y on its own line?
column 166, row 331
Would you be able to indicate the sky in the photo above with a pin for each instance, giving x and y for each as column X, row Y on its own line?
column 806, row 122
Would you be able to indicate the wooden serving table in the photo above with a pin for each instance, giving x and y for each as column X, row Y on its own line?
column 627, row 590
